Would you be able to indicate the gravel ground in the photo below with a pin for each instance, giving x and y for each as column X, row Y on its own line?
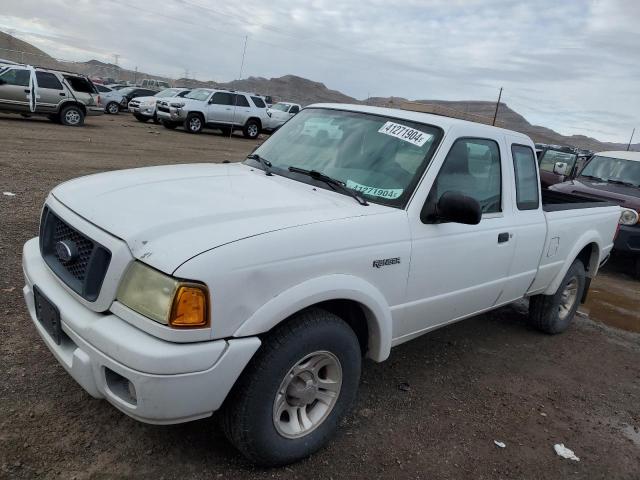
column 433, row 410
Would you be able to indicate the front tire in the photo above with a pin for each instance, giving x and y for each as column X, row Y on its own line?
column 251, row 129
column 293, row 394
column 553, row 313
column 194, row 123
column 112, row 108
column 72, row 116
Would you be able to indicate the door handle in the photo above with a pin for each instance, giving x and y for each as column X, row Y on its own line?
column 62, row 94
column 26, row 90
column 503, row 237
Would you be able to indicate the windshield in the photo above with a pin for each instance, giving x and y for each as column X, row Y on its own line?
column 169, row 92
column 198, row 94
column 379, row 157
column 283, row 107
column 550, row 157
column 613, row 169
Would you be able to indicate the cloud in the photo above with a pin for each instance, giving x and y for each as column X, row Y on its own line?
column 562, row 64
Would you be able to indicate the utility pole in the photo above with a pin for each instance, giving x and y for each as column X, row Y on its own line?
column 135, row 76
column 244, row 51
column 632, row 133
column 497, row 105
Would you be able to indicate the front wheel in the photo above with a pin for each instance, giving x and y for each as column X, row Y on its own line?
column 553, row 313
column 194, row 123
column 251, row 129
column 112, row 108
column 293, row 394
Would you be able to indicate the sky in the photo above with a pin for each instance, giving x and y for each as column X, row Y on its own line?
column 570, row 65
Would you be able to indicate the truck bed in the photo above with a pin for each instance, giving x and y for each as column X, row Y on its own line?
column 553, row 201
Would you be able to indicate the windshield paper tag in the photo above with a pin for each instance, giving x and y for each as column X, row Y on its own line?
column 411, row 135
column 391, row 193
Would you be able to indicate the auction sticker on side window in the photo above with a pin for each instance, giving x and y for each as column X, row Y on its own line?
column 408, row 134
column 390, row 193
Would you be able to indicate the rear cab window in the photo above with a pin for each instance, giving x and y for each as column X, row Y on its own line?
column 258, row 102
column 80, row 85
column 550, row 157
column 241, row 101
column 526, row 178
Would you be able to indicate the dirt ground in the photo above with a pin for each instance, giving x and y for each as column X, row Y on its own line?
column 433, row 410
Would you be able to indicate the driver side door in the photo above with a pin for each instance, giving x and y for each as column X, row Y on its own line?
column 14, row 89
column 458, row 270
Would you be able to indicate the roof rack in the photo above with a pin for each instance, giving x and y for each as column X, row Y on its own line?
column 15, row 64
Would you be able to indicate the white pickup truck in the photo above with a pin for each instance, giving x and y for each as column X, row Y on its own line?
column 256, row 288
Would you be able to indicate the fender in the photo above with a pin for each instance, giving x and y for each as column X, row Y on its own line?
column 590, row 236
column 330, row 287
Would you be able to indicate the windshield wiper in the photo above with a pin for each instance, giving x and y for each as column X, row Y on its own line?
column 622, row 182
column 266, row 164
column 332, row 182
column 593, row 177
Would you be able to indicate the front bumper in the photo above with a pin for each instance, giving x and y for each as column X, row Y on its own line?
column 173, row 115
column 628, row 239
column 144, row 110
column 149, row 379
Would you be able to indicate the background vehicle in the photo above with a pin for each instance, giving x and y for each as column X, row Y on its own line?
column 64, row 97
column 613, row 176
column 156, row 85
column 557, row 164
column 144, row 108
column 119, row 99
column 222, row 109
column 102, row 89
column 280, row 113
column 257, row 288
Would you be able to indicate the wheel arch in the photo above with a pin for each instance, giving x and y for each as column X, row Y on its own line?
column 353, row 299
column 588, row 249
column 257, row 119
column 68, row 103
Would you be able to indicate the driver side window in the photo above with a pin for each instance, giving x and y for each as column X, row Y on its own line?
column 17, row 77
column 472, row 167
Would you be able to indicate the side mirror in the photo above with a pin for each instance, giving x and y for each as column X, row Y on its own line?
column 457, row 208
column 560, row 168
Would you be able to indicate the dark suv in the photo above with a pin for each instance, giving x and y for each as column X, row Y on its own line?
column 613, row 176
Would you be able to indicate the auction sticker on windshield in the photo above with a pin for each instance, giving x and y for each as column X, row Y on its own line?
column 390, row 193
column 408, row 134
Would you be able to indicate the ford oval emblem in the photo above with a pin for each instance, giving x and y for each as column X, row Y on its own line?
column 66, row 251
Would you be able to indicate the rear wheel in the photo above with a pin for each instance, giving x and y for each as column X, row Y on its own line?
column 251, row 129
column 553, row 313
column 169, row 125
column 112, row 108
column 72, row 116
column 291, row 397
column 194, row 123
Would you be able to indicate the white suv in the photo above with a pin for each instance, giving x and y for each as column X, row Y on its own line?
column 222, row 109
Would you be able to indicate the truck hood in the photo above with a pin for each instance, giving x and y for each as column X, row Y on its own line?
column 623, row 195
column 169, row 214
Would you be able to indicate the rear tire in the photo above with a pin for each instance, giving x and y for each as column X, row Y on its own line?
column 112, row 108
column 194, row 123
column 553, row 313
column 293, row 394
column 251, row 129
column 72, row 116
column 140, row 118
column 169, row 125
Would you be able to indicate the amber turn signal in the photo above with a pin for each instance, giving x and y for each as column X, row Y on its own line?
column 190, row 307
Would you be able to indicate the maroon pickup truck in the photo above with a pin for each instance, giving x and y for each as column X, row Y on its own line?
column 612, row 176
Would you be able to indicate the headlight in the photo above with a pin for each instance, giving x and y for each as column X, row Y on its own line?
column 162, row 298
column 177, row 104
column 628, row 217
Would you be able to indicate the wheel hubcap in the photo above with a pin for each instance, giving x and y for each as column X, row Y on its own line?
column 253, row 130
column 72, row 117
column 195, row 124
column 568, row 298
column 113, row 108
column 307, row 394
